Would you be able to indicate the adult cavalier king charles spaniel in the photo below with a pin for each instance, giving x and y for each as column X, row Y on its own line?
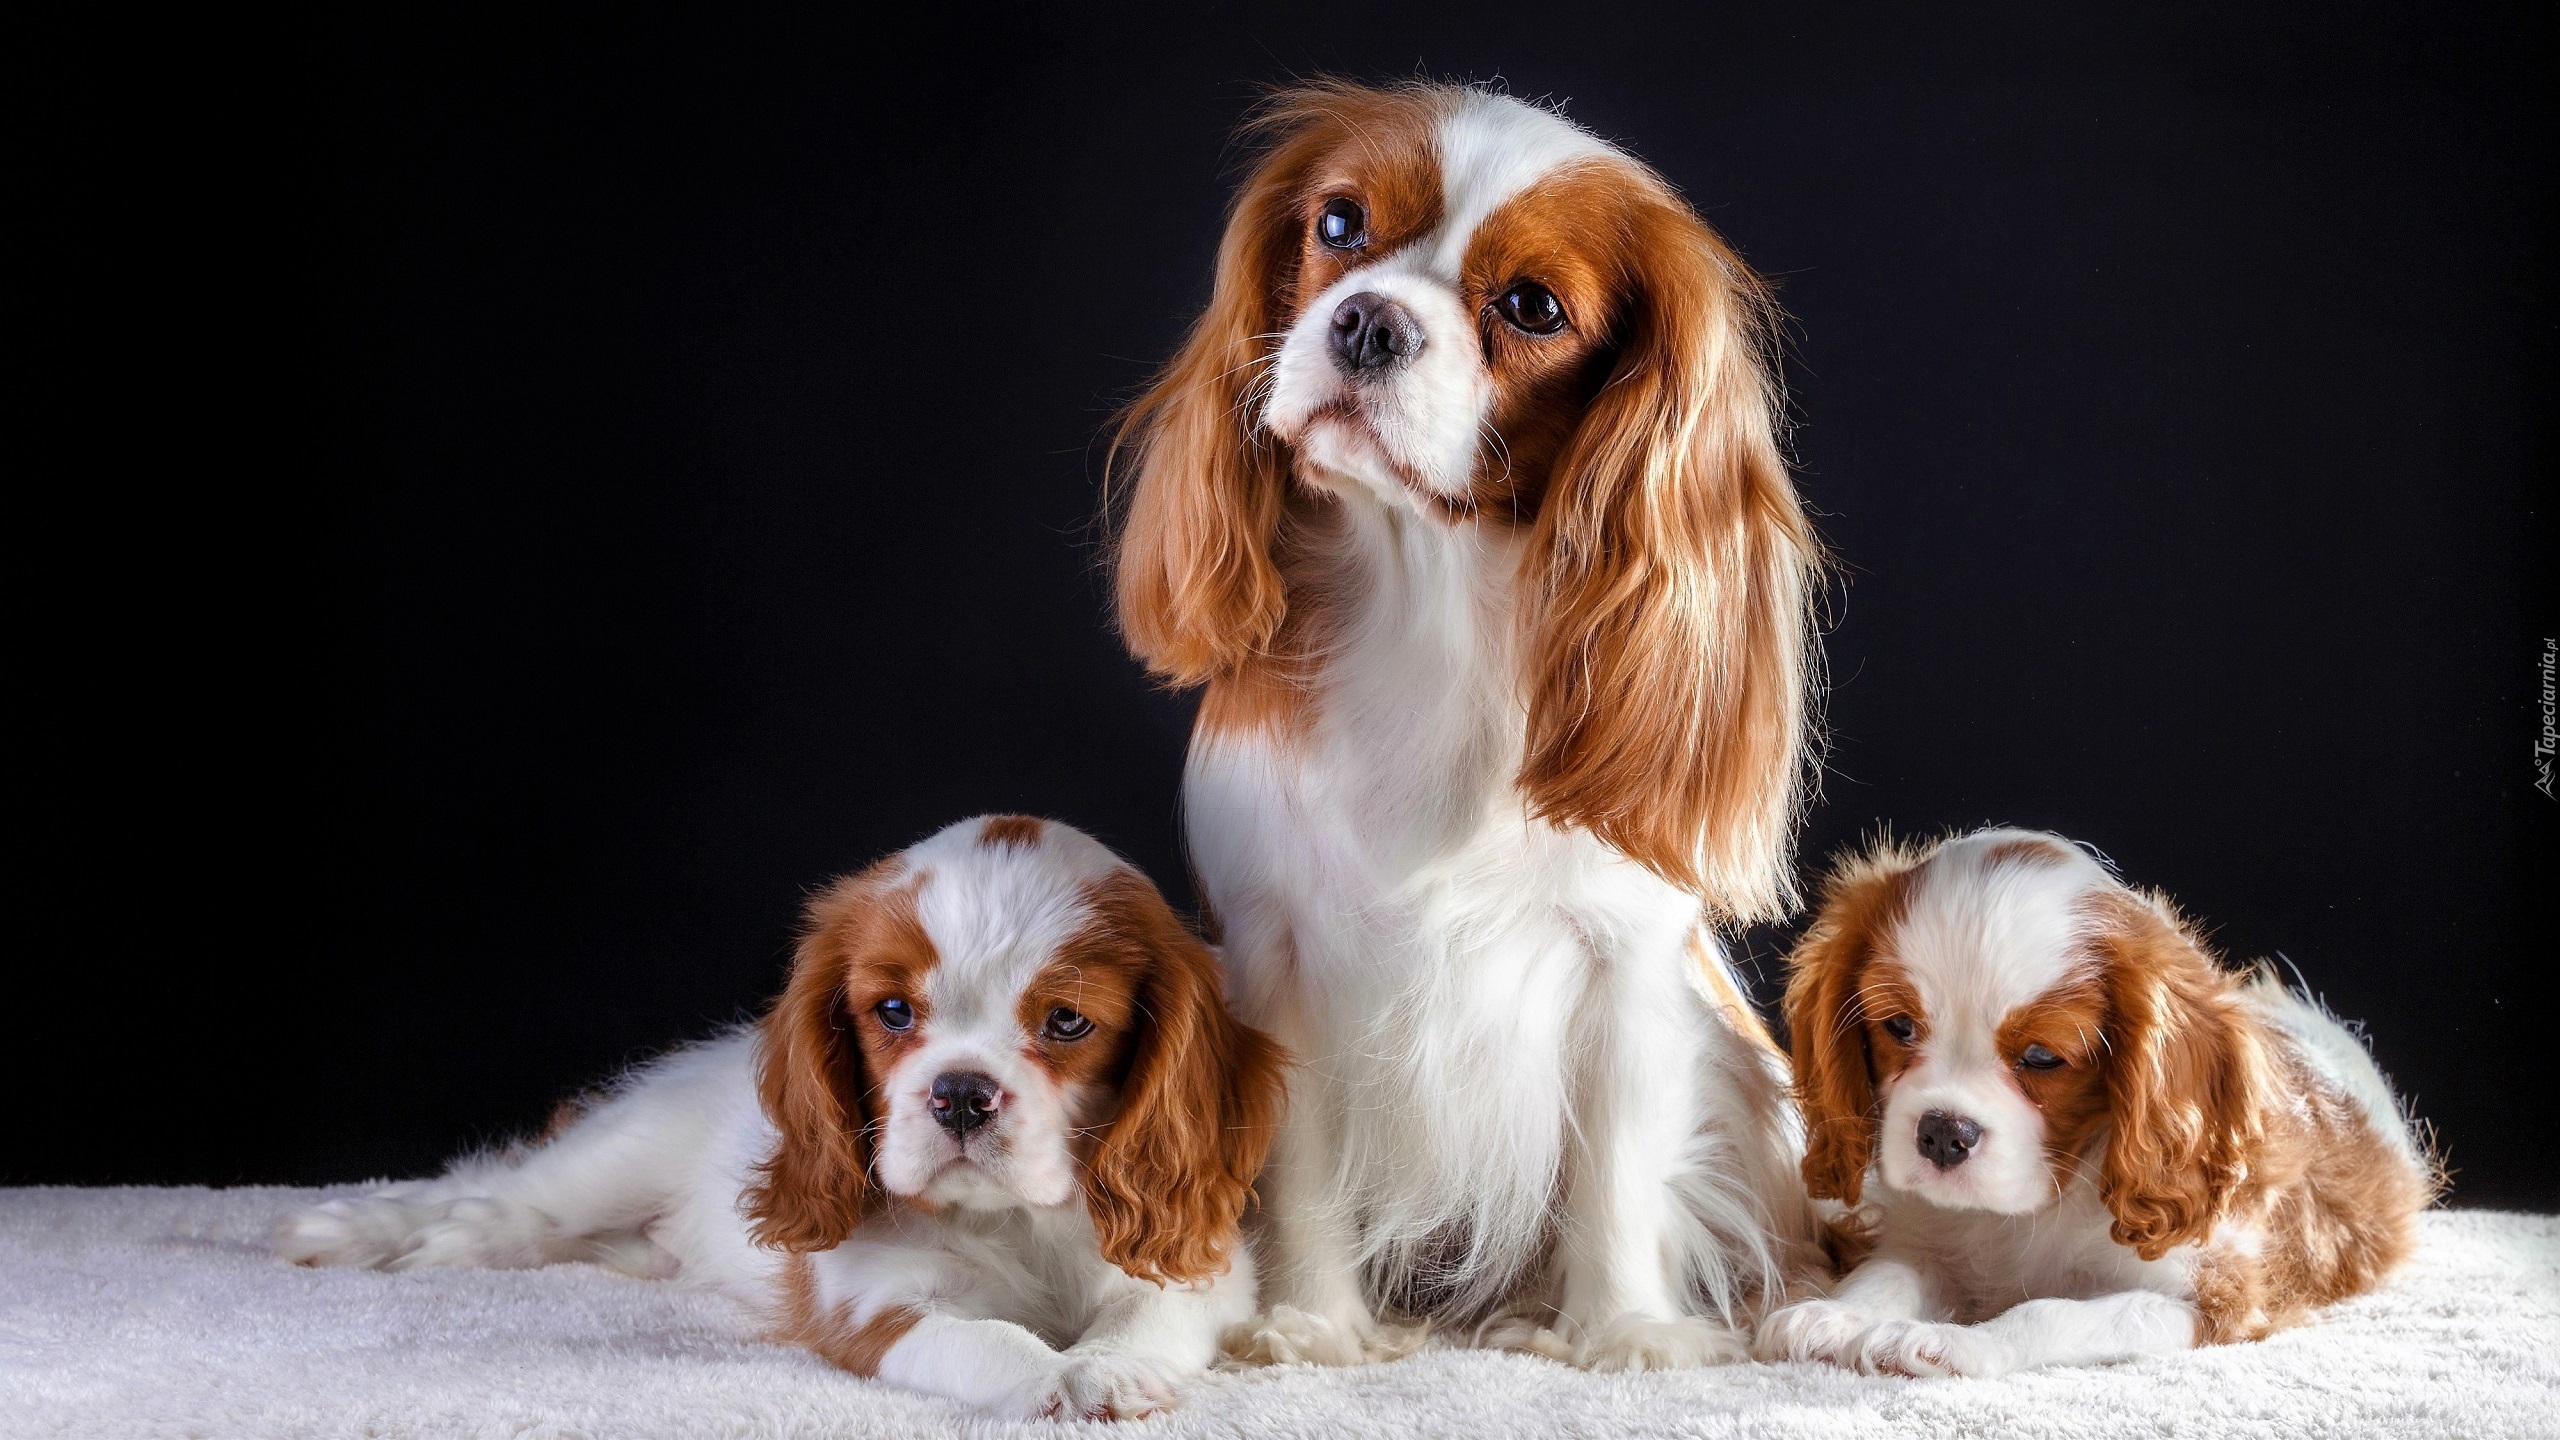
column 1000, row 1109
column 2083, row 1140
column 1464, row 502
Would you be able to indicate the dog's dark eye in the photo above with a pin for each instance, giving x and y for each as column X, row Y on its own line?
column 2036, row 1057
column 1533, row 307
column 895, row 1015
column 1901, row 1028
column 1065, row 1024
column 1342, row 224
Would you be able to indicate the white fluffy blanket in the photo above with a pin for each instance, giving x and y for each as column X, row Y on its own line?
column 135, row 1313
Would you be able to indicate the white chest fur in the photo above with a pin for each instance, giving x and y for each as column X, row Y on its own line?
column 1436, row 958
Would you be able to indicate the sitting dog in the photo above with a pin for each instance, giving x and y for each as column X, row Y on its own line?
column 2091, row 1141
column 979, row 1033
column 1465, row 505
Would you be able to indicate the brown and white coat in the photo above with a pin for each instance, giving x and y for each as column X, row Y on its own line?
column 993, row 1142
column 2079, row 1138
column 1464, row 504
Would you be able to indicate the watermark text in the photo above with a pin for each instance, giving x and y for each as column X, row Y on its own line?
column 2544, row 746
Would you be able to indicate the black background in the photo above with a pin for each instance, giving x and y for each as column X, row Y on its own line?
column 507, row 504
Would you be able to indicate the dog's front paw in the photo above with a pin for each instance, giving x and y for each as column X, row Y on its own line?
column 1287, row 1335
column 1523, row 1334
column 477, row 1231
column 1104, row 1386
column 1920, row 1348
column 1633, row 1343
column 1818, row 1330
column 368, row 1230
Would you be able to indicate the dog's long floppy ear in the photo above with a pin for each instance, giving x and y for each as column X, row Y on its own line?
column 1168, row 1183
column 2186, row 1078
column 1196, row 586
column 1827, row 1021
column 1669, row 587
column 817, row 1186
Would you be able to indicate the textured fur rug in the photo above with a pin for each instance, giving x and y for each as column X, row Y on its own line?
column 136, row 1313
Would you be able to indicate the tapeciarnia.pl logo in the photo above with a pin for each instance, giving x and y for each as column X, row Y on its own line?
column 2543, row 747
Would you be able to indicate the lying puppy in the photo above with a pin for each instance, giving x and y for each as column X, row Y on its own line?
column 2068, row 1104
column 978, row 1032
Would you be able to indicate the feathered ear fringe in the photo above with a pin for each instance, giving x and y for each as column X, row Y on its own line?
column 1669, row 590
column 817, row 1187
column 2186, row 1078
column 1195, row 585
column 1168, row 1184
column 1863, row 897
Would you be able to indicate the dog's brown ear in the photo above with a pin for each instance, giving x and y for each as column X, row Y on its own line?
column 2185, row 1077
column 810, row 1073
column 1827, row 1020
column 1169, row 1181
column 1668, row 588
column 1199, row 488
column 1195, row 583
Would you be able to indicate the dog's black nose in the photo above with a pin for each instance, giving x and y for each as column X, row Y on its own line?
column 1947, row 1139
column 1372, row 332
column 963, row 1100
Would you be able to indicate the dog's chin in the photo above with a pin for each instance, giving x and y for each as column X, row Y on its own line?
column 963, row 1185
column 1338, row 444
column 996, row 1184
column 1340, row 450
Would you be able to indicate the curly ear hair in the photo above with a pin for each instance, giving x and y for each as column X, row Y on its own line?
column 2185, row 1077
column 817, row 1186
column 1168, row 1183
column 1827, row 1021
column 1197, row 588
column 1670, row 581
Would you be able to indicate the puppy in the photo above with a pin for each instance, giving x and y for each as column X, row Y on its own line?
column 1000, row 1109
column 1464, row 503
column 2087, row 1141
